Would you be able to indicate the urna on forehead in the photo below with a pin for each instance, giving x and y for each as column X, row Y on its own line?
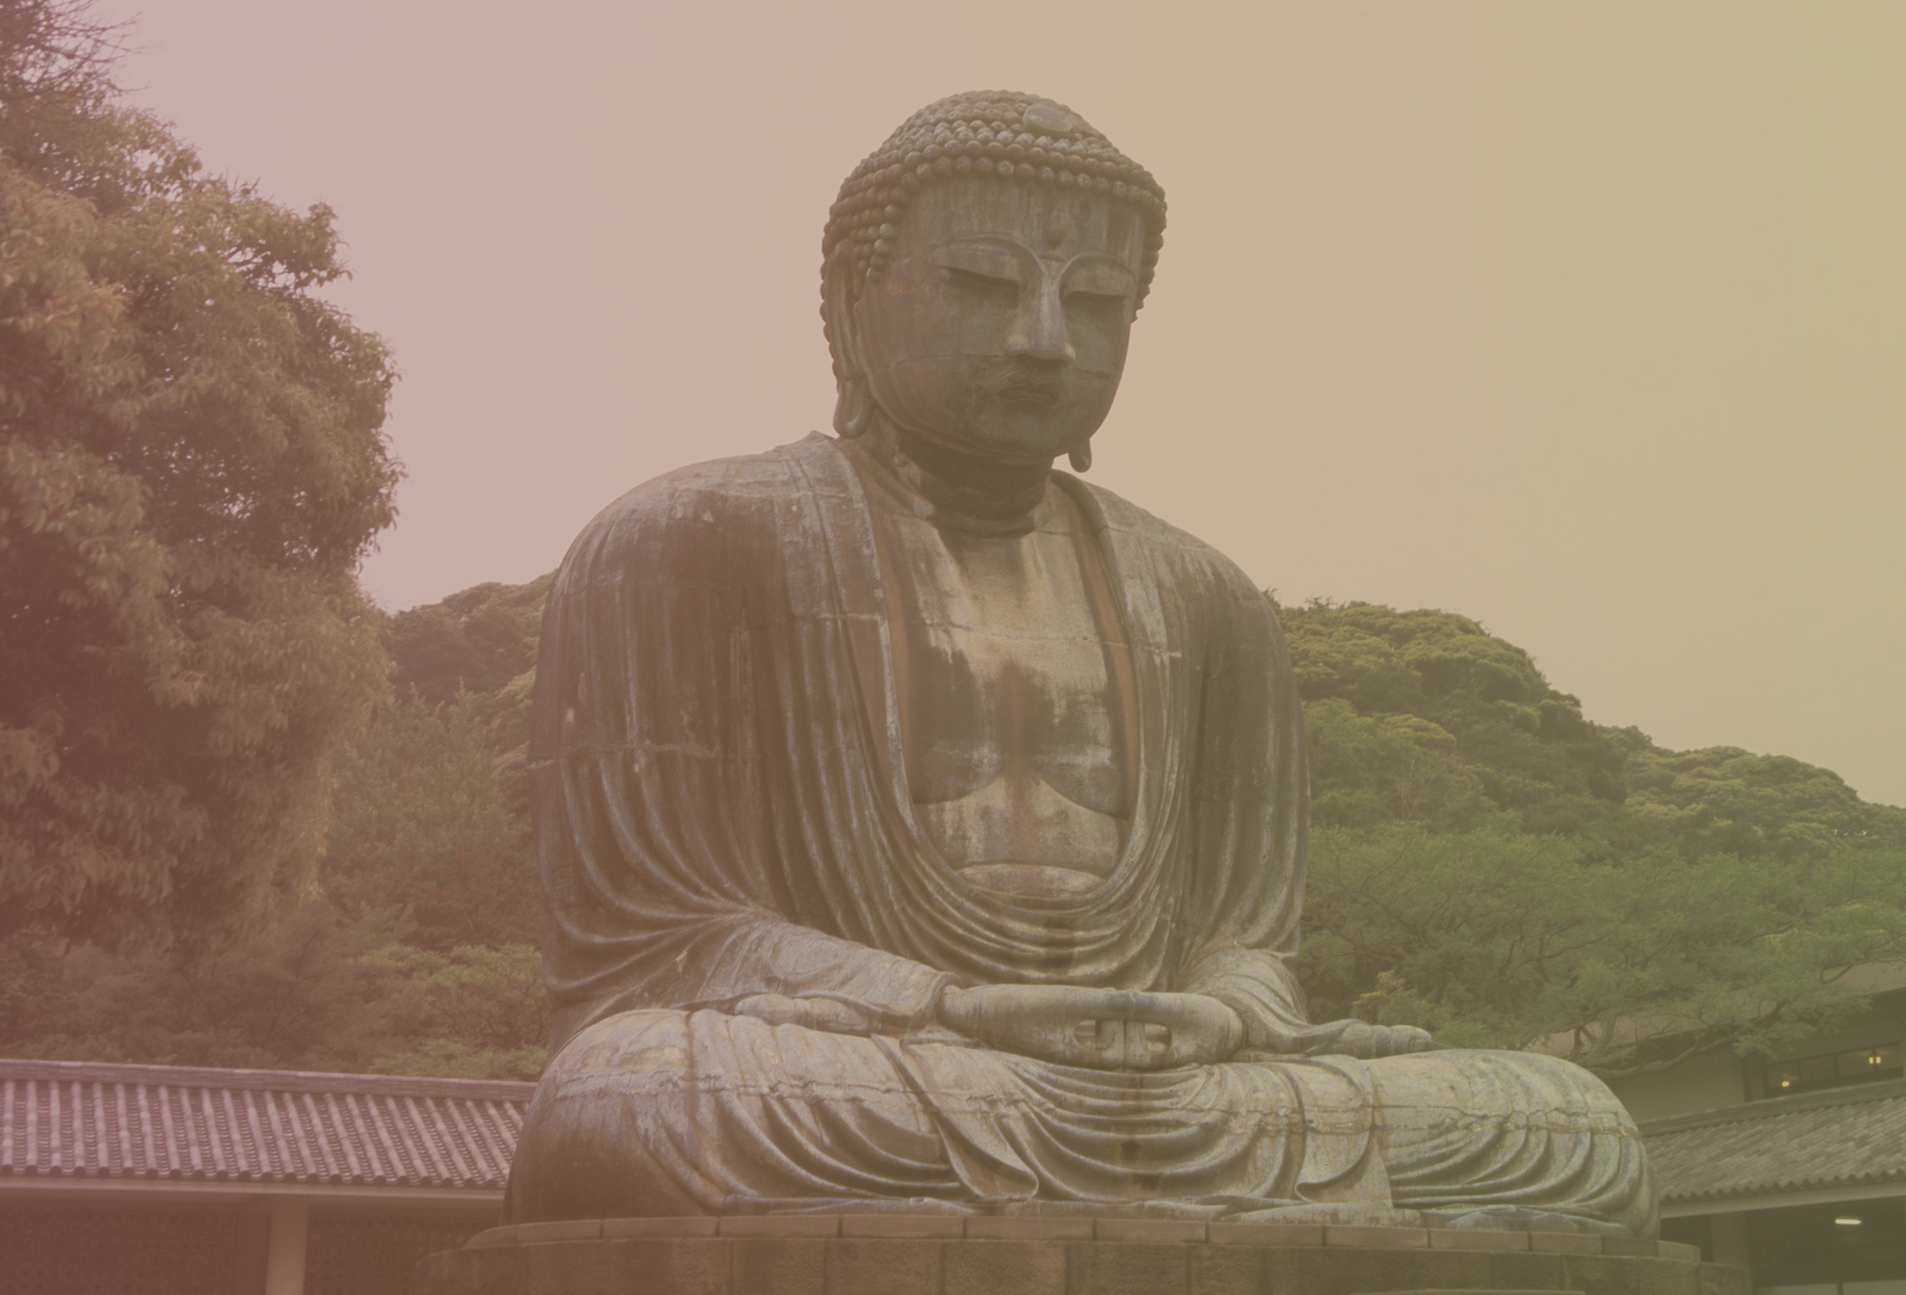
column 1002, row 134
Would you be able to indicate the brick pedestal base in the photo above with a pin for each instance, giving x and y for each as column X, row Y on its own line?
column 895, row 1254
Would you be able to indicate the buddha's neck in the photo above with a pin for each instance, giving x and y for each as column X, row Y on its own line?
column 965, row 491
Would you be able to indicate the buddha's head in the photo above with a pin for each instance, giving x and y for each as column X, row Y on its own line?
column 980, row 274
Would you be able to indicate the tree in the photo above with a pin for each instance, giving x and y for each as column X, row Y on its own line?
column 479, row 639
column 191, row 467
column 482, row 640
column 423, row 829
column 55, row 78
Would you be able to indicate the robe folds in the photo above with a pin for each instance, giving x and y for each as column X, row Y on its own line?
column 722, row 811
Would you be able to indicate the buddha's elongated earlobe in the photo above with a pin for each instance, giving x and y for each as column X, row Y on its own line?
column 854, row 404
column 854, row 407
column 1082, row 458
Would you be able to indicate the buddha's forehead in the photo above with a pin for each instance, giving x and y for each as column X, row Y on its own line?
column 1050, row 221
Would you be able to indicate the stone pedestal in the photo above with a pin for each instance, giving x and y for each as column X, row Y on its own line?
column 894, row 1254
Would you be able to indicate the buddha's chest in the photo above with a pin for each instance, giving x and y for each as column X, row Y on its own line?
column 1005, row 667
column 1010, row 705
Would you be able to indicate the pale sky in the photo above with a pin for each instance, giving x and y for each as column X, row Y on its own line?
column 1580, row 317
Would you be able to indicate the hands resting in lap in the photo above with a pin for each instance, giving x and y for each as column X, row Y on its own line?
column 1108, row 1029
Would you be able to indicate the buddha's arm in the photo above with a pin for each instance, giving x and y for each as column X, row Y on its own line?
column 794, row 975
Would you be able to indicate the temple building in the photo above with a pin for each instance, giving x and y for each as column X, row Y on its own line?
column 1794, row 1168
column 167, row 1180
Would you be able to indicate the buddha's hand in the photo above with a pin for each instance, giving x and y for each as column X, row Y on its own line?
column 1352, row 1039
column 1111, row 1029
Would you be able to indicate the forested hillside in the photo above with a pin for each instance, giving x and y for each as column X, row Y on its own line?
column 1485, row 862
column 1489, row 864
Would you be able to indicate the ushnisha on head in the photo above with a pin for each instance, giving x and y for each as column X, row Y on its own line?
column 981, row 271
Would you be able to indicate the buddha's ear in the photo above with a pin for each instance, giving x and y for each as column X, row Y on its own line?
column 854, row 407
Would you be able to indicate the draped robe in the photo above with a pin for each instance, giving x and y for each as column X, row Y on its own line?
column 722, row 811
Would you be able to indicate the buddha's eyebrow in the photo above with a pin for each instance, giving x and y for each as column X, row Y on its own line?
column 1000, row 242
column 1102, row 259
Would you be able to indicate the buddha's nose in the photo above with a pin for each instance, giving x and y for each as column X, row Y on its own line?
column 1040, row 331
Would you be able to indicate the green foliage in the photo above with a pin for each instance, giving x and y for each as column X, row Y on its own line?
column 419, row 959
column 1490, row 865
column 1370, row 769
column 55, row 84
column 483, row 641
column 1724, row 799
column 423, row 829
column 319, row 992
column 477, row 640
column 472, row 1013
column 191, row 466
column 290, row 994
column 1503, row 939
column 1527, row 745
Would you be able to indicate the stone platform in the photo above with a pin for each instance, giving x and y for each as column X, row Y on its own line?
column 979, row 1255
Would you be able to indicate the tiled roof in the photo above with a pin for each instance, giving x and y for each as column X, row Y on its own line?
column 1843, row 1137
column 82, row 1120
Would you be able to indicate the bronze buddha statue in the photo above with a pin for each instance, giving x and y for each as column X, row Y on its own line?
column 923, row 827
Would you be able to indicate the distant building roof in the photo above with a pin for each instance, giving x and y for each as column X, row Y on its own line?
column 65, row 1120
column 1844, row 1137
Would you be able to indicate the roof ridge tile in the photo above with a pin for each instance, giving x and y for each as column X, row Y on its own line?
column 22, row 1068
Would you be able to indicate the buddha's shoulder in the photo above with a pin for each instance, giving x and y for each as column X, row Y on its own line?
column 1134, row 526
column 731, row 495
column 724, row 521
column 740, row 482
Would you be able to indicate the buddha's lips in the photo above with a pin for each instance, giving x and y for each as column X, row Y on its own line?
column 1015, row 385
